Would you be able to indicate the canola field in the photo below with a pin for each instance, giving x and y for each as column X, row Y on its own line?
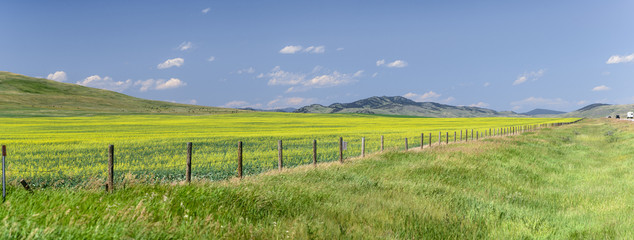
column 72, row 151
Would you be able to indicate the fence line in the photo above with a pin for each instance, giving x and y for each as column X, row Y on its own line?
column 492, row 132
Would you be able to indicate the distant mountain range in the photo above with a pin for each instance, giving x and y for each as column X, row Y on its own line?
column 599, row 110
column 27, row 96
column 540, row 111
column 402, row 106
column 289, row 110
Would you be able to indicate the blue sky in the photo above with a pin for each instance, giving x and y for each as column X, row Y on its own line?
column 503, row 55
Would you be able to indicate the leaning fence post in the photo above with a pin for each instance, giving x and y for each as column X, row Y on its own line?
column 280, row 163
column 363, row 147
column 111, row 168
column 25, row 185
column 4, row 176
column 188, row 173
column 240, row 159
column 314, row 151
column 341, row 149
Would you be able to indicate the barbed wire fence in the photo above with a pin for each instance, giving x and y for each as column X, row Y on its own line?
column 291, row 153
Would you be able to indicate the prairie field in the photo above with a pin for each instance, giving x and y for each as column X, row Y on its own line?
column 569, row 182
column 70, row 151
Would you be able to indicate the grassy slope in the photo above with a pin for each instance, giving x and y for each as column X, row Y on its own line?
column 603, row 111
column 27, row 96
column 571, row 182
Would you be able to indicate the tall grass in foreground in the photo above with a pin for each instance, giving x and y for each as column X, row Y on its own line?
column 572, row 182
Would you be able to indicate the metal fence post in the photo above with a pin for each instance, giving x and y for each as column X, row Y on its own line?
column 188, row 173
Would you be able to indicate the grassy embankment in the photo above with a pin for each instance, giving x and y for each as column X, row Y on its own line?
column 575, row 181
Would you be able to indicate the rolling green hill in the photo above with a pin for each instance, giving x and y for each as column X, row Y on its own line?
column 599, row 110
column 27, row 96
column 403, row 106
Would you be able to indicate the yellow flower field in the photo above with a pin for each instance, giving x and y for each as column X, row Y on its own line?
column 65, row 151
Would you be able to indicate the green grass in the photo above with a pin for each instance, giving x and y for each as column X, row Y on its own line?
column 67, row 151
column 571, row 182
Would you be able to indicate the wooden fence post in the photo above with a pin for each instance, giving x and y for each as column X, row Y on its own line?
column 477, row 135
column 439, row 138
column 240, row 159
column 341, row 149
column 454, row 136
column 406, row 148
column 461, row 135
column 280, row 161
column 314, row 151
column 429, row 139
column 472, row 134
column 381, row 143
column 111, row 168
column 188, row 171
column 422, row 140
column 363, row 147
column 446, row 137
column 4, row 176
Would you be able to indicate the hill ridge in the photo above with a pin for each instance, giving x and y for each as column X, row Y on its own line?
column 22, row 95
column 397, row 105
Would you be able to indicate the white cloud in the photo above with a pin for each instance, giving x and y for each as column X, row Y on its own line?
column 277, row 76
column 206, row 10
column 600, row 88
column 529, row 76
column 447, row 100
column 211, row 59
column 246, row 70
column 193, row 102
column 375, row 74
column 105, row 83
column 159, row 84
column 479, row 104
column 281, row 102
column 315, row 49
column 486, row 84
column 185, row 46
column 174, row 62
column 582, row 102
column 620, row 59
column 340, row 49
column 303, row 82
column 395, row 64
column 425, row 97
column 538, row 102
column 290, row 49
column 236, row 104
column 59, row 76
